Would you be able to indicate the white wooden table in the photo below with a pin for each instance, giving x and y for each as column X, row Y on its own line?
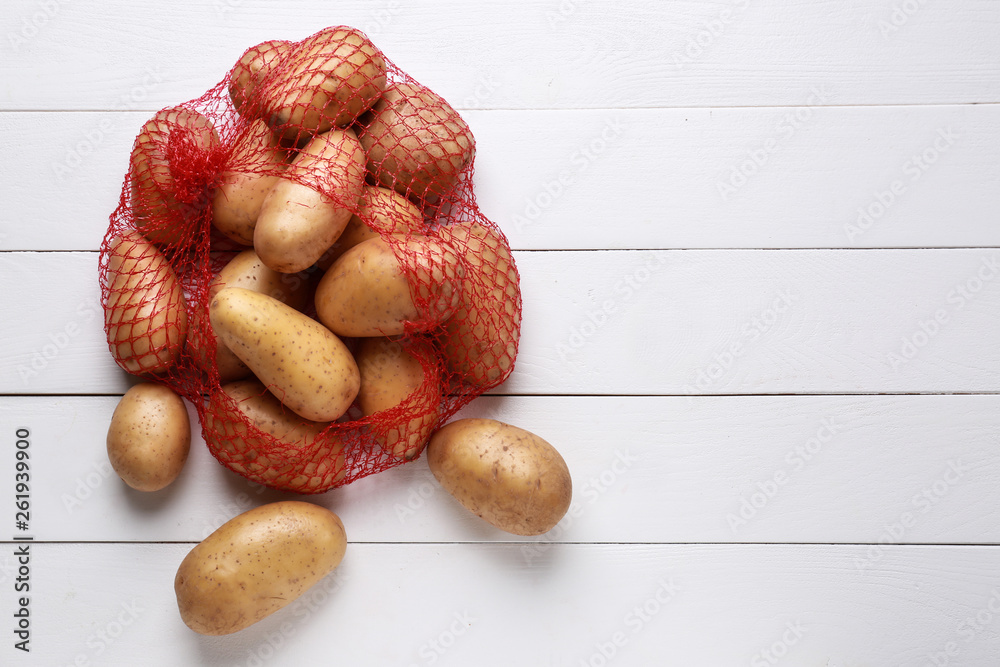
column 760, row 255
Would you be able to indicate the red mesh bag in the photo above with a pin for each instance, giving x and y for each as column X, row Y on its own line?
column 299, row 253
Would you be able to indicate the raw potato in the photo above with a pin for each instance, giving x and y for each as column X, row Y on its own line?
column 149, row 437
column 285, row 451
column 368, row 292
column 256, row 66
column 308, row 368
column 479, row 342
column 255, row 165
column 298, row 223
column 392, row 375
column 415, row 141
column 247, row 271
column 334, row 76
column 503, row 474
column 257, row 563
column 381, row 210
column 166, row 145
column 145, row 315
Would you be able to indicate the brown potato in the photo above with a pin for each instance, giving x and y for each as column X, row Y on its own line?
column 371, row 292
column 167, row 211
column 256, row 67
column 257, row 563
column 400, row 383
column 149, row 437
column 503, row 474
column 415, row 141
column 145, row 315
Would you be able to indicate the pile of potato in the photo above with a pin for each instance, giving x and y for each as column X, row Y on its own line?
column 299, row 254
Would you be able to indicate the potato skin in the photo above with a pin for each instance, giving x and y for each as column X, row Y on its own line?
column 503, row 474
column 145, row 315
column 257, row 563
column 149, row 437
column 256, row 66
column 305, row 365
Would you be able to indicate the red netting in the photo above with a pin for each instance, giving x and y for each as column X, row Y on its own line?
column 300, row 254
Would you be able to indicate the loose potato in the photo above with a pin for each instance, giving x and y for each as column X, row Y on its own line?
column 503, row 474
column 330, row 79
column 415, row 141
column 279, row 449
column 381, row 210
column 258, row 65
column 479, row 342
column 149, row 437
column 370, row 291
column 257, row 563
column 400, row 383
column 169, row 193
column 145, row 315
column 297, row 221
column 307, row 367
column 253, row 168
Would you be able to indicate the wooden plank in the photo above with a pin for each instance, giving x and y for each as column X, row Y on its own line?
column 651, row 178
column 635, row 322
column 846, row 469
column 450, row 604
column 522, row 54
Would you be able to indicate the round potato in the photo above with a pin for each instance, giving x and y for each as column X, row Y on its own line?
column 149, row 437
column 415, row 141
column 257, row 563
column 308, row 208
column 400, row 383
column 169, row 191
column 259, row 64
column 370, row 291
column 479, row 342
column 278, row 449
column 503, row 474
column 145, row 315
column 253, row 168
column 307, row 367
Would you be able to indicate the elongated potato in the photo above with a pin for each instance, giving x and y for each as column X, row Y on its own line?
column 503, row 474
column 169, row 185
column 149, row 437
column 297, row 222
column 253, row 168
column 257, row 563
column 371, row 292
column 400, row 383
column 381, row 210
column 254, row 72
column 415, row 141
column 330, row 79
column 279, row 449
column 145, row 315
column 479, row 342
column 307, row 367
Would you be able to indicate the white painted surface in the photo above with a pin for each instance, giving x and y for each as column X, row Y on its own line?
column 870, row 516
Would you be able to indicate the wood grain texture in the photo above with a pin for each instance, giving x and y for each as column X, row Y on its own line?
column 845, row 469
column 636, row 322
column 520, row 53
column 460, row 604
column 921, row 176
